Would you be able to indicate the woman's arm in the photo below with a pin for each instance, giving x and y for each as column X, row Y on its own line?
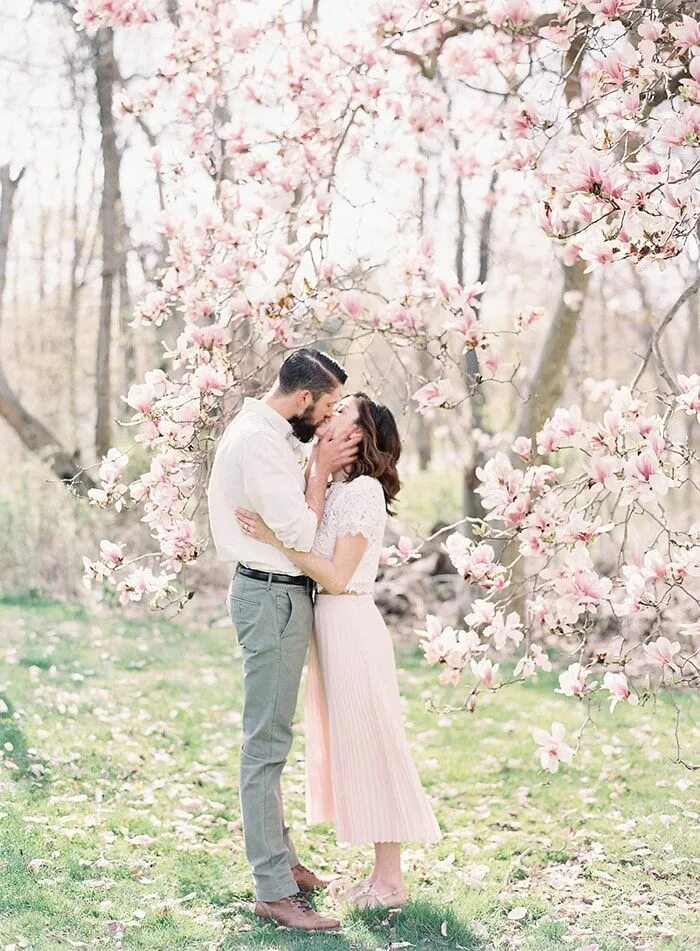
column 332, row 575
column 335, row 574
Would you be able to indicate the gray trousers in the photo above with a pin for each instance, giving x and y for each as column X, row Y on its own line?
column 273, row 626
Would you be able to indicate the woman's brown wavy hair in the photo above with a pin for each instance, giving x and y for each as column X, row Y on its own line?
column 379, row 449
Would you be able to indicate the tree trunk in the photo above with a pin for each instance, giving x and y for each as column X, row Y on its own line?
column 73, row 296
column 424, row 432
column 9, row 186
column 110, row 217
column 547, row 382
column 126, row 333
column 173, row 10
column 35, row 436
column 471, row 501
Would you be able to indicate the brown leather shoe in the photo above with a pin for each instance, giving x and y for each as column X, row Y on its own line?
column 307, row 881
column 295, row 912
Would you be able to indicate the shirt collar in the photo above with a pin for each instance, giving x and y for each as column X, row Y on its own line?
column 275, row 419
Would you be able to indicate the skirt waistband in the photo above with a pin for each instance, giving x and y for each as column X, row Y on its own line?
column 345, row 594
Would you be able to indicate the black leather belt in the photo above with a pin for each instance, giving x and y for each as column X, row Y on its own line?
column 275, row 577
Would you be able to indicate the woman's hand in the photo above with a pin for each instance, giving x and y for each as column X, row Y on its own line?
column 254, row 527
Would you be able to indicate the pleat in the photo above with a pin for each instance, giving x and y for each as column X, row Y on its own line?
column 360, row 775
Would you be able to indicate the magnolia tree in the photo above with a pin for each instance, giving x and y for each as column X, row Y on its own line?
column 590, row 114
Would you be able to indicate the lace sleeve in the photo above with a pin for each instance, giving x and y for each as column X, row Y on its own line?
column 362, row 511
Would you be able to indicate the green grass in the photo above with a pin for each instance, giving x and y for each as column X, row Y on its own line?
column 120, row 822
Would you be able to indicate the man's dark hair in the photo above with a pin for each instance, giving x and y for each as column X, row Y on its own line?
column 309, row 369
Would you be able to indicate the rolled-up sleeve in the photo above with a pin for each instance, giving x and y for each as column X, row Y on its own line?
column 275, row 494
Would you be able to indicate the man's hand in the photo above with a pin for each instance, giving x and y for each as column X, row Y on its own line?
column 336, row 450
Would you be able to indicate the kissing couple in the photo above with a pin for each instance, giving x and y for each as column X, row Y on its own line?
column 307, row 541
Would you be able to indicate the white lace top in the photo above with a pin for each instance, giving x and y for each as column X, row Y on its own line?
column 353, row 508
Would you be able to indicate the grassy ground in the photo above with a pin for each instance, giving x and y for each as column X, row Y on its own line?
column 120, row 827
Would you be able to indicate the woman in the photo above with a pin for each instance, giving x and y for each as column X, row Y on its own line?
column 359, row 772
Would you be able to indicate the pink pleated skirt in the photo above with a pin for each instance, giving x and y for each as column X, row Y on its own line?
column 360, row 776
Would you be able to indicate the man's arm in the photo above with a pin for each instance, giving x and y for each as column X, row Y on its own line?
column 276, row 495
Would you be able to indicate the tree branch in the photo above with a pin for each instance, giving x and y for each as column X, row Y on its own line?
column 652, row 347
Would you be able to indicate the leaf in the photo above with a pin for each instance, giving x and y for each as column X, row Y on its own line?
column 517, row 914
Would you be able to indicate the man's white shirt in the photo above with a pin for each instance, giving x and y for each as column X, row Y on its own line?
column 257, row 466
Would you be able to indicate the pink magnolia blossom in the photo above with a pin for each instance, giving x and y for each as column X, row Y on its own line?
column 467, row 326
column 662, row 651
column 522, row 446
column 565, row 428
column 560, row 34
column 407, row 548
column 502, row 629
column 112, row 554
column 475, row 562
column 153, row 309
column 611, row 9
column 433, row 627
column 535, row 658
column 142, row 581
column 437, row 393
column 603, row 469
column 352, row 305
column 461, row 297
column 525, row 319
column 686, row 563
column 482, row 613
column 514, row 13
column 457, row 650
column 619, row 689
column 643, row 475
column 95, row 571
column 485, row 671
column 490, row 361
column 572, row 683
column 113, row 466
column 596, row 253
column 689, row 398
column 210, row 379
column 585, row 174
column 140, row 397
column 686, row 32
column 635, row 581
column 92, row 13
column 448, row 646
column 553, row 750
column 656, row 566
column 404, row 551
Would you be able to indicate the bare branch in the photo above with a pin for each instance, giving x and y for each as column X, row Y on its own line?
column 652, row 347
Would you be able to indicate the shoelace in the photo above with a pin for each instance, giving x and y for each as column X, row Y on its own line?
column 301, row 902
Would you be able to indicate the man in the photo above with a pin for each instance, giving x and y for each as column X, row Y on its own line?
column 270, row 602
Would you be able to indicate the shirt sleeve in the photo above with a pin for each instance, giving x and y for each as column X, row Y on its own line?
column 275, row 494
column 362, row 512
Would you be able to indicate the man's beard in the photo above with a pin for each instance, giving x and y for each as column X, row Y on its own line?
column 302, row 427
